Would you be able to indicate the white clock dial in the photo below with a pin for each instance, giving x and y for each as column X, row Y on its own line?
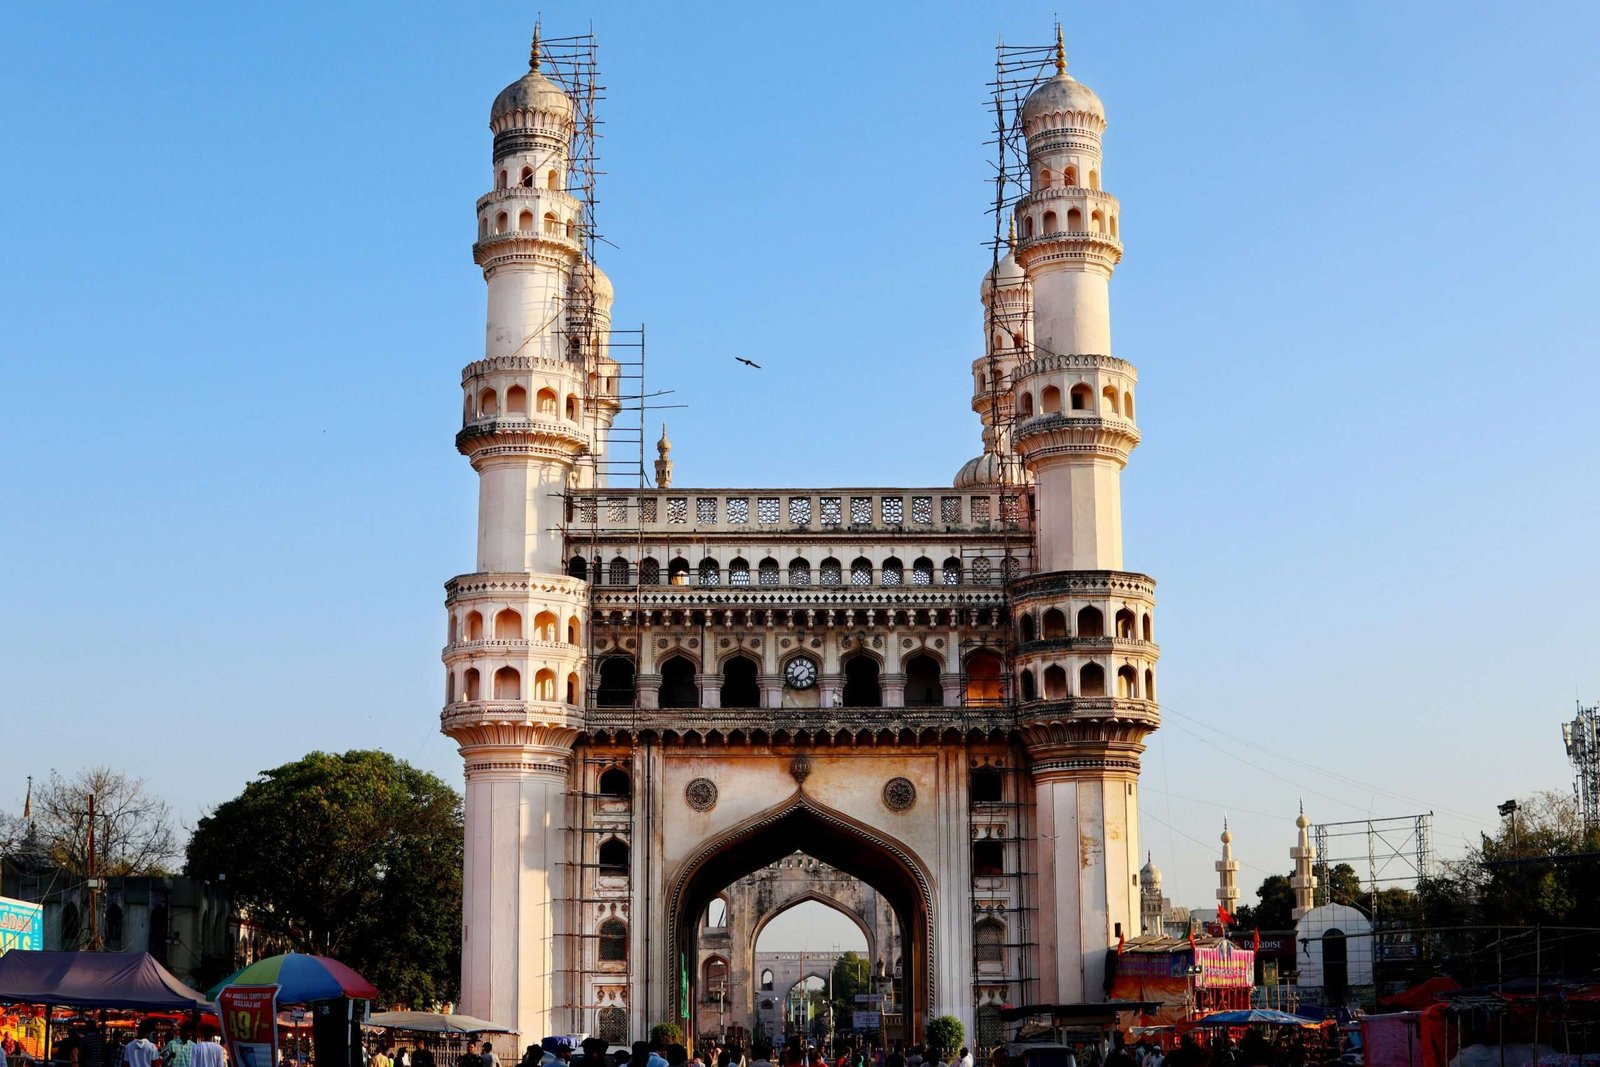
column 801, row 673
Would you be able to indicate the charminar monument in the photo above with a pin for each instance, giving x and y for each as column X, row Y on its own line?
column 940, row 693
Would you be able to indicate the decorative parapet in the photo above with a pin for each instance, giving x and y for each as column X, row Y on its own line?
column 1083, row 583
column 830, row 725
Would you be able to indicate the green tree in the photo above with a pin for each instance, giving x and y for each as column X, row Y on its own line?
column 1274, row 908
column 943, row 1036
column 356, row 856
column 133, row 830
column 1340, row 884
column 667, row 1033
column 852, row 974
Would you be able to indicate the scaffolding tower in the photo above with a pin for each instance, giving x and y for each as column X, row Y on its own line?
column 1394, row 851
column 1581, row 737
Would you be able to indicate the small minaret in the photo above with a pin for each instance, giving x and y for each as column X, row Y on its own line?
column 1152, row 909
column 1304, row 879
column 1227, row 873
column 663, row 460
column 1007, row 300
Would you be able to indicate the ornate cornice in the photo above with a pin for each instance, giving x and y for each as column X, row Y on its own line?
column 492, row 364
column 527, row 247
column 499, row 584
column 1043, row 363
column 1048, row 435
column 1127, row 646
column 833, row 726
column 511, row 724
column 520, row 436
column 1070, row 248
column 1082, row 583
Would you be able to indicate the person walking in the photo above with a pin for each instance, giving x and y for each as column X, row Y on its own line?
column 140, row 1052
column 207, row 1052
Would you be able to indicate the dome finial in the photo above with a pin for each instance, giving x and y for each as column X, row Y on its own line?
column 1011, row 234
column 533, row 53
column 1061, row 51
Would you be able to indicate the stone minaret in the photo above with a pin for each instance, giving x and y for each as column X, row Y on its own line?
column 1087, row 683
column 1304, row 879
column 663, row 460
column 515, row 657
column 1228, row 874
column 1152, row 908
column 1007, row 300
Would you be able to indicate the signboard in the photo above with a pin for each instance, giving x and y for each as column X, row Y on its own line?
column 869, row 998
column 1225, row 966
column 21, row 925
column 865, row 1020
column 249, row 1016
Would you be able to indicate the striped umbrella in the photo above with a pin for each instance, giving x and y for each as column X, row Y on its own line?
column 301, row 979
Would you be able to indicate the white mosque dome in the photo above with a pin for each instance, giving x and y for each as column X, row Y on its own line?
column 1009, row 273
column 531, row 92
column 1062, row 94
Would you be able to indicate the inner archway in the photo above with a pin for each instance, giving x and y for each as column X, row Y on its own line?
column 880, row 861
column 819, row 953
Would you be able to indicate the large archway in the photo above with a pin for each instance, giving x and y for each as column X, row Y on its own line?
column 880, row 861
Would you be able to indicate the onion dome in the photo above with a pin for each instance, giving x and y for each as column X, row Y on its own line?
column 532, row 92
column 1008, row 270
column 991, row 469
column 1149, row 874
column 1062, row 93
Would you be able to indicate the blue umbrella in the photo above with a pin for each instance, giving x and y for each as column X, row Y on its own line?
column 1255, row 1017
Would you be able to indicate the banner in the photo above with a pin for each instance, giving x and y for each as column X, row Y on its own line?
column 249, row 1015
column 865, row 1020
column 21, row 925
column 1224, row 966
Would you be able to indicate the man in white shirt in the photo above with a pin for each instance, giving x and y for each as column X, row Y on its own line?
column 140, row 1052
column 966, row 1057
column 207, row 1051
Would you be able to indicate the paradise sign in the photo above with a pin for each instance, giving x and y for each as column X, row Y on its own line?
column 249, row 1015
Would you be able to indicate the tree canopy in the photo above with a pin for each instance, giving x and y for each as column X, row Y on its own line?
column 356, row 856
column 134, row 831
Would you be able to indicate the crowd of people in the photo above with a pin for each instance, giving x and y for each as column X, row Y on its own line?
column 87, row 1044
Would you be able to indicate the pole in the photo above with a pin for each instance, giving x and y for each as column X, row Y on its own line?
column 94, row 887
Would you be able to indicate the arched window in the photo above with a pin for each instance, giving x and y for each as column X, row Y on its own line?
column 507, row 684
column 615, row 782
column 474, row 626
column 544, row 684
column 1025, row 406
column 551, row 224
column 545, row 401
column 573, row 407
column 450, row 687
column 861, row 571
column 613, row 856
column 1094, row 179
column 1054, row 624
column 1029, row 691
column 678, row 688
column 1051, row 225
column 572, row 687
column 502, row 222
column 924, row 689
column 1026, row 629
column 619, row 572
column 739, row 686
column 830, row 573
column 113, row 927
column 1044, row 178
column 1144, row 626
column 613, row 943
column 516, row 400
column 766, row 982
column 982, row 571
column 1127, row 683
column 1050, row 400
column 678, row 571
column 572, row 227
column 488, row 404
column 649, row 571
column 988, row 939
column 1097, row 222
column 611, row 1025
column 1335, row 963
column 951, row 572
column 471, row 685
column 1082, row 397
column 578, row 567
column 861, row 687
column 1092, row 680
column 1055, row 683
column 544, row 625
column 799, row 572
column 893, row 571
column 552, row 180
column 985, row 784
column 710, row 572
column 500, row 180
column 1114, row 226
column 717, row 913
column 508, row 625
column 1109, row 397
column 1091, row 623
column 983, row 679
column 1125, row 623
column 739, row 571
column 1071, row 176
column 483, row 225
column 616, row 682
column 767, row 572
column 525, row 222
column 714, row 979
column 1074, row 220
column 526, row 180
column 922, row 571
column 1027, row 227
column 1149, row 684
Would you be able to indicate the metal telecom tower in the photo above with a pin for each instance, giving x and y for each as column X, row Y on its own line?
column 1582, row 739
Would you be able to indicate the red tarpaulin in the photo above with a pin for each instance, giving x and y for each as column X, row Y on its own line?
column 94, row 980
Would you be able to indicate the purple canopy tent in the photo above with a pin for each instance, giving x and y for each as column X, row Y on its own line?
column 94, row 980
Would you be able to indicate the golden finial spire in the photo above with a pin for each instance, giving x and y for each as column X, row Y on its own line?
column 533, row 53
column 1061, row 51
column 1011, row 234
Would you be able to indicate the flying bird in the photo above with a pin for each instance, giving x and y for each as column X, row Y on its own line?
column 748, row 362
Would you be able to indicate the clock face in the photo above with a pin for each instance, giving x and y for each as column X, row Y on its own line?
column 801, row 673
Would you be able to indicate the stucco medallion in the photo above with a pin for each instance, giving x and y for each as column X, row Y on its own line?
column 701, row 794
column 899, row 794
column 800, row 769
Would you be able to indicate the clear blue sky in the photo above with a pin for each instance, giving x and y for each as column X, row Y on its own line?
column 1360, row 287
